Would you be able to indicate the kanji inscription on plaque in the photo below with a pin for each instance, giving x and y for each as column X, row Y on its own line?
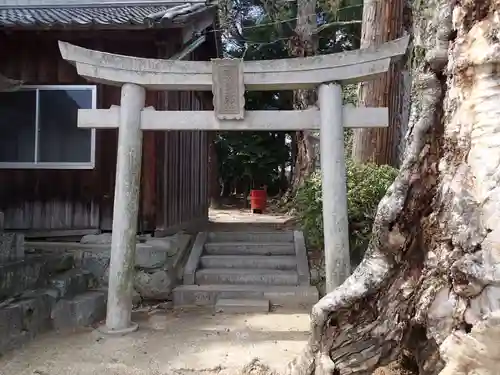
column 228, row 89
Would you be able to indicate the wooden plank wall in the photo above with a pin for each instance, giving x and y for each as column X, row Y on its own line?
column 173, row 194
column 184, row 185
column 185, row 177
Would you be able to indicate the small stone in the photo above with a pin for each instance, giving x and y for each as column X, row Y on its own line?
column 155, row 285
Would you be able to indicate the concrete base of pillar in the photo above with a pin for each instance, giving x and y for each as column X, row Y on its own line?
column 118, row 332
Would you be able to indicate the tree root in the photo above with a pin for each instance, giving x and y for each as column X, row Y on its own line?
column 361, row 324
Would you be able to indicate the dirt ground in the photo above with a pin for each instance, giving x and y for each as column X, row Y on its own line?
column 189, row 342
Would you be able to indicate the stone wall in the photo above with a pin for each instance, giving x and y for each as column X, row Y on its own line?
column 158, row 262
column 57, row 285
column 40, row 291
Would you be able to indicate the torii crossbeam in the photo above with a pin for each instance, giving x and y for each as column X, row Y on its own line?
column 227, row 79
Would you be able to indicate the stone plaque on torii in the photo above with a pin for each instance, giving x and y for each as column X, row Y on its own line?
column 227, row 79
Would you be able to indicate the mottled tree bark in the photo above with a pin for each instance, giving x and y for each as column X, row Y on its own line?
column 432, row 269
column 301, row 45
column 383, row 21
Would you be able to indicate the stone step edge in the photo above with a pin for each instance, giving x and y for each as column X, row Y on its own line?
column 275, row 262
column 280, row 295
column 239, row 271
column 242, row 305
column 249, row 243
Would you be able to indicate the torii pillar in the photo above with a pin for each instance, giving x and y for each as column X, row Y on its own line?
column 126, row 207
column 334, row 188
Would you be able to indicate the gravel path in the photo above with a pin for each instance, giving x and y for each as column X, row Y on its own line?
column 189, row 342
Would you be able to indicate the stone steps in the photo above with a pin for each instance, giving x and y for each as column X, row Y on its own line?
column 249, row 248
column 241, row 306
column 246, row 272
column 253, row 237
column 244, row 276
column 278, row 262
column 278, row 295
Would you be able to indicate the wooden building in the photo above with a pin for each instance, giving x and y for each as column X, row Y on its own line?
column 55, row 177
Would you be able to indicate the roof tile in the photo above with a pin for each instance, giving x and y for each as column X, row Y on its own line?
column 89, row 16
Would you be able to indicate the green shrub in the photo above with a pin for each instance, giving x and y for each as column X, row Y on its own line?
column 366, row 185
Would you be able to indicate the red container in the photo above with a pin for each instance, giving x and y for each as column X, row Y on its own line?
column 258, row 201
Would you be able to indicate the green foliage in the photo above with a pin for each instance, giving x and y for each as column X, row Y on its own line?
column 366, row 185
column 251, row 159
column 261, row 30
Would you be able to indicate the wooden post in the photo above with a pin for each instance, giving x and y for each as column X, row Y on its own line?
column 126, row 204
column 333, row 170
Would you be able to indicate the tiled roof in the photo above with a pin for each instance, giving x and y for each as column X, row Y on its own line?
column 98, row 16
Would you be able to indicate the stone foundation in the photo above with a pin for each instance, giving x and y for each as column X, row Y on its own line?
column 36, row 289
column 158, row 261
column 57, row 285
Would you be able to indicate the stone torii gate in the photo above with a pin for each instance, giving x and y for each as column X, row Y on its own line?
column 227, row 79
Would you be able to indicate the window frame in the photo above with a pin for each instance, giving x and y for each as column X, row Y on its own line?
column 55, row 165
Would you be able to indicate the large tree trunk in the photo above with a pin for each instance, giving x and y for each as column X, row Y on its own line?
column 302, row 45
column 432, row 269
column 383, row 21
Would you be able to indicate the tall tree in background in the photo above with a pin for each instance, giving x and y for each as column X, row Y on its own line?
column 384, row 21
column 303, row 44
column 265, row 29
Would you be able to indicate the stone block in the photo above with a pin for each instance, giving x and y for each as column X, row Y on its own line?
column 150, row 257
column 61, row 262
column 96, row 239
column 18, row 276
column 36, row 314
column 11, row 326
column 155, row 285
column 97, row 263
column 52, row 294
column 81, row 311
column 11, row 247
column 72, row 282
column 23, row 320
